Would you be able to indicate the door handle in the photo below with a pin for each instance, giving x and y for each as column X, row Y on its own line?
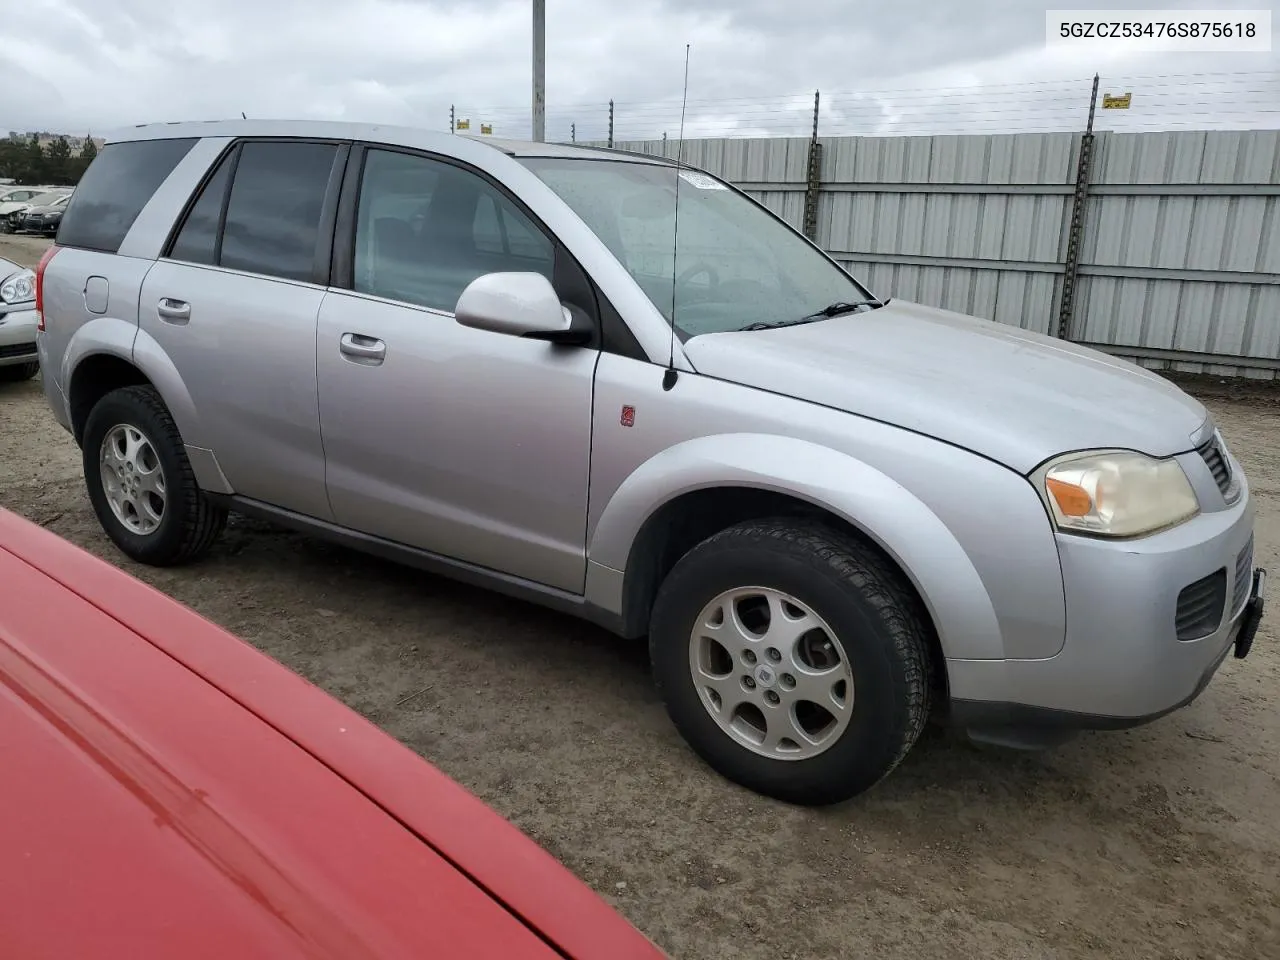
column 174, row 311
column 361, row 349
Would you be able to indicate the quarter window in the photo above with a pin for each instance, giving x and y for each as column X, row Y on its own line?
column 115, row 188
column 425, row 229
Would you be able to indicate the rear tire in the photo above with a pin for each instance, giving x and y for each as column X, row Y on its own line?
column 18, row 372
column 828, row 596
column 140, row 482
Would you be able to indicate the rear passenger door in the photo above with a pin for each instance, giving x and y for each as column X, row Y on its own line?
column 233, row 303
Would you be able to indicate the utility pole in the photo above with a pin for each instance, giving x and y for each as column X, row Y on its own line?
column 611, row 124
column 573, row 133
column 452, row 120
column 539, row 70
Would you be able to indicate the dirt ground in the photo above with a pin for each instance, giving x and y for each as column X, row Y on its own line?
column 1162, row 842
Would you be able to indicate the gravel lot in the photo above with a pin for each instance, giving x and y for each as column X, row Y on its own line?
column 1161, row 842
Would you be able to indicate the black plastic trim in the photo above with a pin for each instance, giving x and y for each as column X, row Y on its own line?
column 321, row 265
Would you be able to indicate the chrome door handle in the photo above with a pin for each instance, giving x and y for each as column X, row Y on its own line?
column 175, row 311
column 361, row 349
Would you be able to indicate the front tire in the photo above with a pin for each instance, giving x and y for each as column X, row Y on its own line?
column 140, row 482
column 16, row 373
column 793, row 659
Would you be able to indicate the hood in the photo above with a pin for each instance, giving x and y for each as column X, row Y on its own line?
column 8, row 268
column 48, row 208
column 13, row 206
column 1012, row 395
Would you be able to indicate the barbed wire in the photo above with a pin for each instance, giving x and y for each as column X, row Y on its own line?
column 1221, row 100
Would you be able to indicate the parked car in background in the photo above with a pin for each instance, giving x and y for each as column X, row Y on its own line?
column 18, row 357
column 828, row 512
column 12, row 219
column 172, row 792
column 13, row 198
column 43, row 215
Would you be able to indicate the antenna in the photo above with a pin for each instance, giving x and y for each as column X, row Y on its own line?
column 669, row 378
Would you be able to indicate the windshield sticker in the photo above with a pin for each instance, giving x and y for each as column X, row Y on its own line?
column 701, row 180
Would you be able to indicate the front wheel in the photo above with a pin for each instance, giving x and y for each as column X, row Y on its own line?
column 793, row 659
column 140, row 482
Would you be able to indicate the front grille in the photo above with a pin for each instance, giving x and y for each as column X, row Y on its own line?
column 1213, row 458
column 1200, row 606
column 1244, row 577
column 17, row 350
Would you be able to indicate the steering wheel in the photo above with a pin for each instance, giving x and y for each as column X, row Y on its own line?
column 713, row 276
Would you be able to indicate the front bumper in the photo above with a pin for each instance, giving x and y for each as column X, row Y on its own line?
column 1122, row 664
column 17, row 336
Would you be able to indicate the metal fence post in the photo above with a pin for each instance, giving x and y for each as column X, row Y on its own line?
column 610, row 123
column 453, row 119
column 573, row 133
column 813, row 179
column 1075, row 229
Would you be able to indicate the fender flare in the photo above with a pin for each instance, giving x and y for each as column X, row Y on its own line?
column 122, row 339
column 866, row 498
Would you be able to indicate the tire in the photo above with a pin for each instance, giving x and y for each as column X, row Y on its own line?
column 881, row 634
column 188, row 523
column 16, row 373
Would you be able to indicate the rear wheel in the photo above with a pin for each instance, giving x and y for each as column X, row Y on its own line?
column 793, row 659
column 17, row 372
column 140, row 482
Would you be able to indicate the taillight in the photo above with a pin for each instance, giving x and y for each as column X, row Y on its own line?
column 44, row 262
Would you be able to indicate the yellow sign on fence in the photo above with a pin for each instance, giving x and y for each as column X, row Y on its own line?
column 486, row 128
column 463, row 125
column 1120, row 102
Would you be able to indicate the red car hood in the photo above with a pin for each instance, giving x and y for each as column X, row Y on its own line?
column 168, row 792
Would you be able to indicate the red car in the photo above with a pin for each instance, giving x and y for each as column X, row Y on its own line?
column 167, row 791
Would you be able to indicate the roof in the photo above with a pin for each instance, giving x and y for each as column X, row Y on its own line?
column 416, row 137
column 208, row 802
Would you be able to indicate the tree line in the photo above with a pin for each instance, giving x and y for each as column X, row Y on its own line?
column 26, row 160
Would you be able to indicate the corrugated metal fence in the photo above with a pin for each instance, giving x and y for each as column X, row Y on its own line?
column 1180, row 254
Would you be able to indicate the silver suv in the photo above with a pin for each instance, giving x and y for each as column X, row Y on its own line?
column 832, row 515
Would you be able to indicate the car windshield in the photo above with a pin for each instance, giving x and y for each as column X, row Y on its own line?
column 734, row 265
column 46, row 199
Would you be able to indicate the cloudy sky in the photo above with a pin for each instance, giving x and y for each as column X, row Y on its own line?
column 910, row 66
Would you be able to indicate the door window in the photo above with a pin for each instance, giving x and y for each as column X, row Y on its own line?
column 273, row 214
column 425, row 229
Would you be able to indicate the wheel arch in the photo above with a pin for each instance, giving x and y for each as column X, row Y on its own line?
column 692, row 490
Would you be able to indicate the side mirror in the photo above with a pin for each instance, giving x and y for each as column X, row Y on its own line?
column 519, row 305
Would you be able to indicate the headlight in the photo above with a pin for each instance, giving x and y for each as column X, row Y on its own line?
column 1116, row 493
column 20, row 288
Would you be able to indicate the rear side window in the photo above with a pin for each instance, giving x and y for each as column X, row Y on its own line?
column 114, row 190
column 273, row 215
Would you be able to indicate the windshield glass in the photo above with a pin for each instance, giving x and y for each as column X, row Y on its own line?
column 735, row 265
column 46, row 199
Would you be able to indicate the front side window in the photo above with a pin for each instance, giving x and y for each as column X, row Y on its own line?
column 425, row 229
column 732, row 264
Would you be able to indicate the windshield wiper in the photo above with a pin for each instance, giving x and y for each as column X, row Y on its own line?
column 830, row 310
column 842, row 306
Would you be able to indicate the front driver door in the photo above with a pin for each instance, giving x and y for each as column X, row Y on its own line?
column 465, row 443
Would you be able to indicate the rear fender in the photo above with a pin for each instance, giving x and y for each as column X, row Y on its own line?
column 866, row 498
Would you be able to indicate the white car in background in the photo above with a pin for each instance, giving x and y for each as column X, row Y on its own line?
column 24, row 198
column 18, row 357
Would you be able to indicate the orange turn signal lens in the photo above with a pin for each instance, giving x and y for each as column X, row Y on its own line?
column 1071, row 499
